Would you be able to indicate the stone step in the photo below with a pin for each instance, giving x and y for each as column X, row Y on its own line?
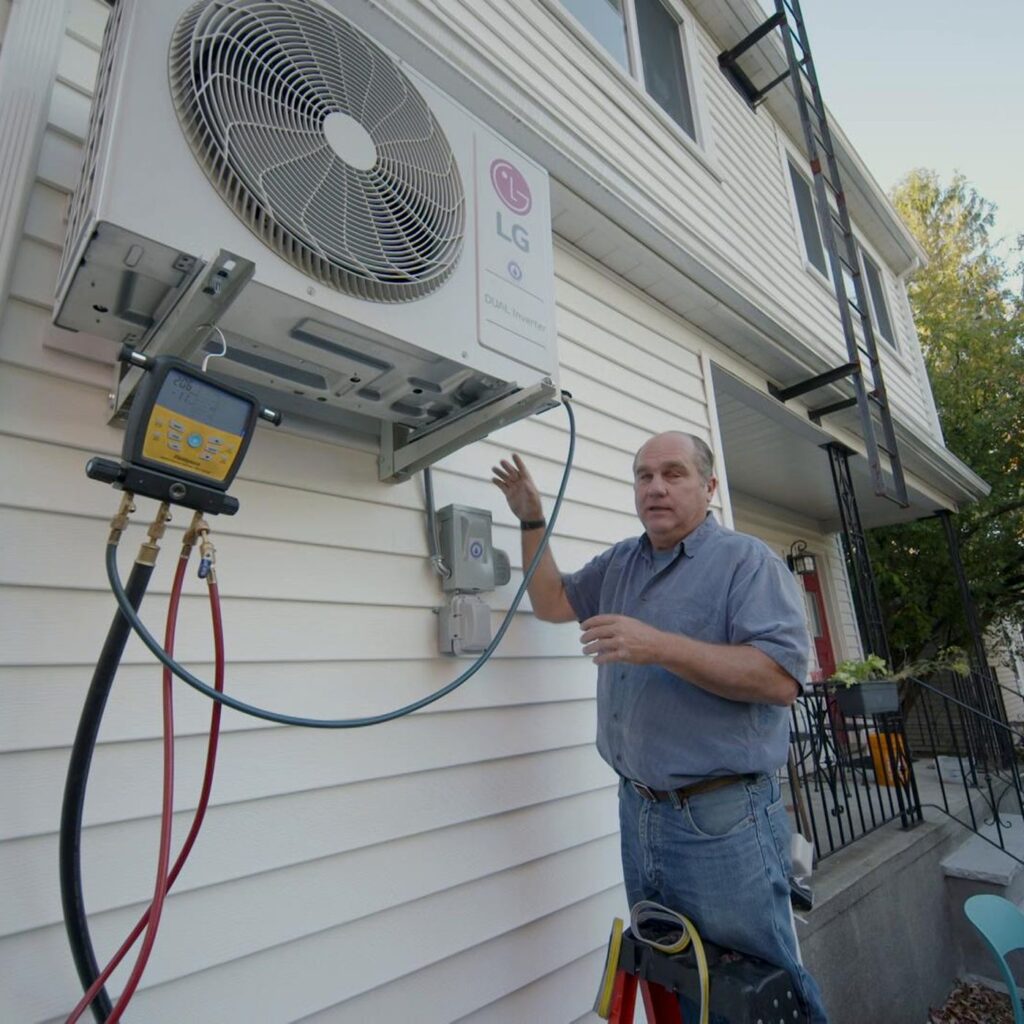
column 974, row 867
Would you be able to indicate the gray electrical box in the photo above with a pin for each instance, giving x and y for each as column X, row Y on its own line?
column 474, row 564
column 466, row 548
column 464, row 625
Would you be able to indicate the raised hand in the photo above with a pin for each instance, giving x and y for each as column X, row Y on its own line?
column 514, row 481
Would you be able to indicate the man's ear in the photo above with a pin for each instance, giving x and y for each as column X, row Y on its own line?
column 712, row 487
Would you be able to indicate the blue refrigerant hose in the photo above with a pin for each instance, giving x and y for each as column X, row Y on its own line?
column 124, row 603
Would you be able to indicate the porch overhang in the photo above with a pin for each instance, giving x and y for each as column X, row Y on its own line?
column 775, row 454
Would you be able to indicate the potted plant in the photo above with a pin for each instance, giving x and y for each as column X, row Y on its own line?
column 865, row 687
column 869, row 687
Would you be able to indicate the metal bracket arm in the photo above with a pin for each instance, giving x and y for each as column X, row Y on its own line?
column 399, row 460
column 204, row 301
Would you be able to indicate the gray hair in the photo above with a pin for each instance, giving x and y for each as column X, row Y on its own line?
column 703, row 456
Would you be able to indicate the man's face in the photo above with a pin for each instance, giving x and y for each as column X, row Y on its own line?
column 671, row 497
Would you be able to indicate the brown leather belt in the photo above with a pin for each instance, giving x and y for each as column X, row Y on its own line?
column 677, row 796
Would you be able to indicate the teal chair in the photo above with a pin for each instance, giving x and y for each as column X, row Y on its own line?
column 1001, row 925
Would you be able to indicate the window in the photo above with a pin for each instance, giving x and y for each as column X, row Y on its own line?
column 644, row 37
column 876, row 292
column 604, row 20
column 661, row 51
column 813, row 248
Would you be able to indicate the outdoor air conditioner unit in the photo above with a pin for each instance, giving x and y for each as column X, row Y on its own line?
column 374, row 255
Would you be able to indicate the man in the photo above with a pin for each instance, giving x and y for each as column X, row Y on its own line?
column 700, row 638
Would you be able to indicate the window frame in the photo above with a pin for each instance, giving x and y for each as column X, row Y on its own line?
column 700, row 142
column 879, row 268
column 791, row 164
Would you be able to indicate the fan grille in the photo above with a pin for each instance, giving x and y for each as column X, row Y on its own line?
column 254, row 83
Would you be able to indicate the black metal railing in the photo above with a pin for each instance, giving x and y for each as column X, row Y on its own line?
column 959, row 731
column 950, row 748
column 848, row 775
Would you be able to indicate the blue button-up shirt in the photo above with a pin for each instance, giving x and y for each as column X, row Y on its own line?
column 721, row 587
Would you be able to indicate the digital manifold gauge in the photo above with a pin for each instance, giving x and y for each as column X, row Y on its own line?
column 186, row 436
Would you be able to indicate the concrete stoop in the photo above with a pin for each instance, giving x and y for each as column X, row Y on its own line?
column 976, row 866
column 888, row 939
column 880, row 940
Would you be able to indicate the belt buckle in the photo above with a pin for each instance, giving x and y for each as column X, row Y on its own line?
column 645, row 791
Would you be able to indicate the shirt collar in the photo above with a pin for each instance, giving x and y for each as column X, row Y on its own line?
column 690, row 544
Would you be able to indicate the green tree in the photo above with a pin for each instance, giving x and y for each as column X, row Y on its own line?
column 971, row 324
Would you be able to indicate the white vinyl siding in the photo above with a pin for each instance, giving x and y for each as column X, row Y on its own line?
column 481, row 832
column 727, row 201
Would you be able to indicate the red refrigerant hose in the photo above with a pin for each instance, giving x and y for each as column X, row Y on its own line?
column 197, row 820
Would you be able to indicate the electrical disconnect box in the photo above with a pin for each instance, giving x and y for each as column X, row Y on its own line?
column 474, row 565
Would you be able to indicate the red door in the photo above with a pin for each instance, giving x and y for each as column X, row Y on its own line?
column 817, row 623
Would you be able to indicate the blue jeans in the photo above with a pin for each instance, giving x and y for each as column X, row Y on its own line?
column 722, row 859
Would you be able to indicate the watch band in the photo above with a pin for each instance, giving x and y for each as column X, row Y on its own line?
column 532, row 524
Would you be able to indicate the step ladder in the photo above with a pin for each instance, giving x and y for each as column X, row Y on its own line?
column 742, row 990
column 862, row 368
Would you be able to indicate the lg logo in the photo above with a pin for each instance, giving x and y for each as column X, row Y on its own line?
column 511, row 187
column 514, row 192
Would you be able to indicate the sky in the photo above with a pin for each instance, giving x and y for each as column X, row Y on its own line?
column 929, row 83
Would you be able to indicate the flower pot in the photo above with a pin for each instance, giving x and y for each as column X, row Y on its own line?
column 875, row 697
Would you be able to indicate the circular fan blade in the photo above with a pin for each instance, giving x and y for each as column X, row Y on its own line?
column 373, row 204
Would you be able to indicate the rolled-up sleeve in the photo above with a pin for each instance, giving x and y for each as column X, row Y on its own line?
column 766, row 611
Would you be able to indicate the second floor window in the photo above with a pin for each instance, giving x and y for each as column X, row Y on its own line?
column 876, row 294
column 814, row 251
column 645, row 37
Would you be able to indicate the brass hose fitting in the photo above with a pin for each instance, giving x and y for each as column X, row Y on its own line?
column 191, row 538
column 119, row 523
column 151, row 547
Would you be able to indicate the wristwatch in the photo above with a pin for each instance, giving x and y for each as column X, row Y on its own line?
column 533, row 524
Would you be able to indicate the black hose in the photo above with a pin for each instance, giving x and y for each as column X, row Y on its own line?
column 74, row 794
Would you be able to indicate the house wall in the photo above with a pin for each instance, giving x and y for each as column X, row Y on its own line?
column 1005, row 658
column 727, row 198
column 464, row 860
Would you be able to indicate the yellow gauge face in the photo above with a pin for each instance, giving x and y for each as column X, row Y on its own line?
column 182, row 443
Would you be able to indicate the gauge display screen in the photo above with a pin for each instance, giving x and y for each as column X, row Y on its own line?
column 204, row 403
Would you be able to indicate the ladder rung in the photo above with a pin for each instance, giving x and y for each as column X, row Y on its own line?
column 806, row 68
column 838, row 221
column 822, row 144
column 853, row 271
column 837, row 192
